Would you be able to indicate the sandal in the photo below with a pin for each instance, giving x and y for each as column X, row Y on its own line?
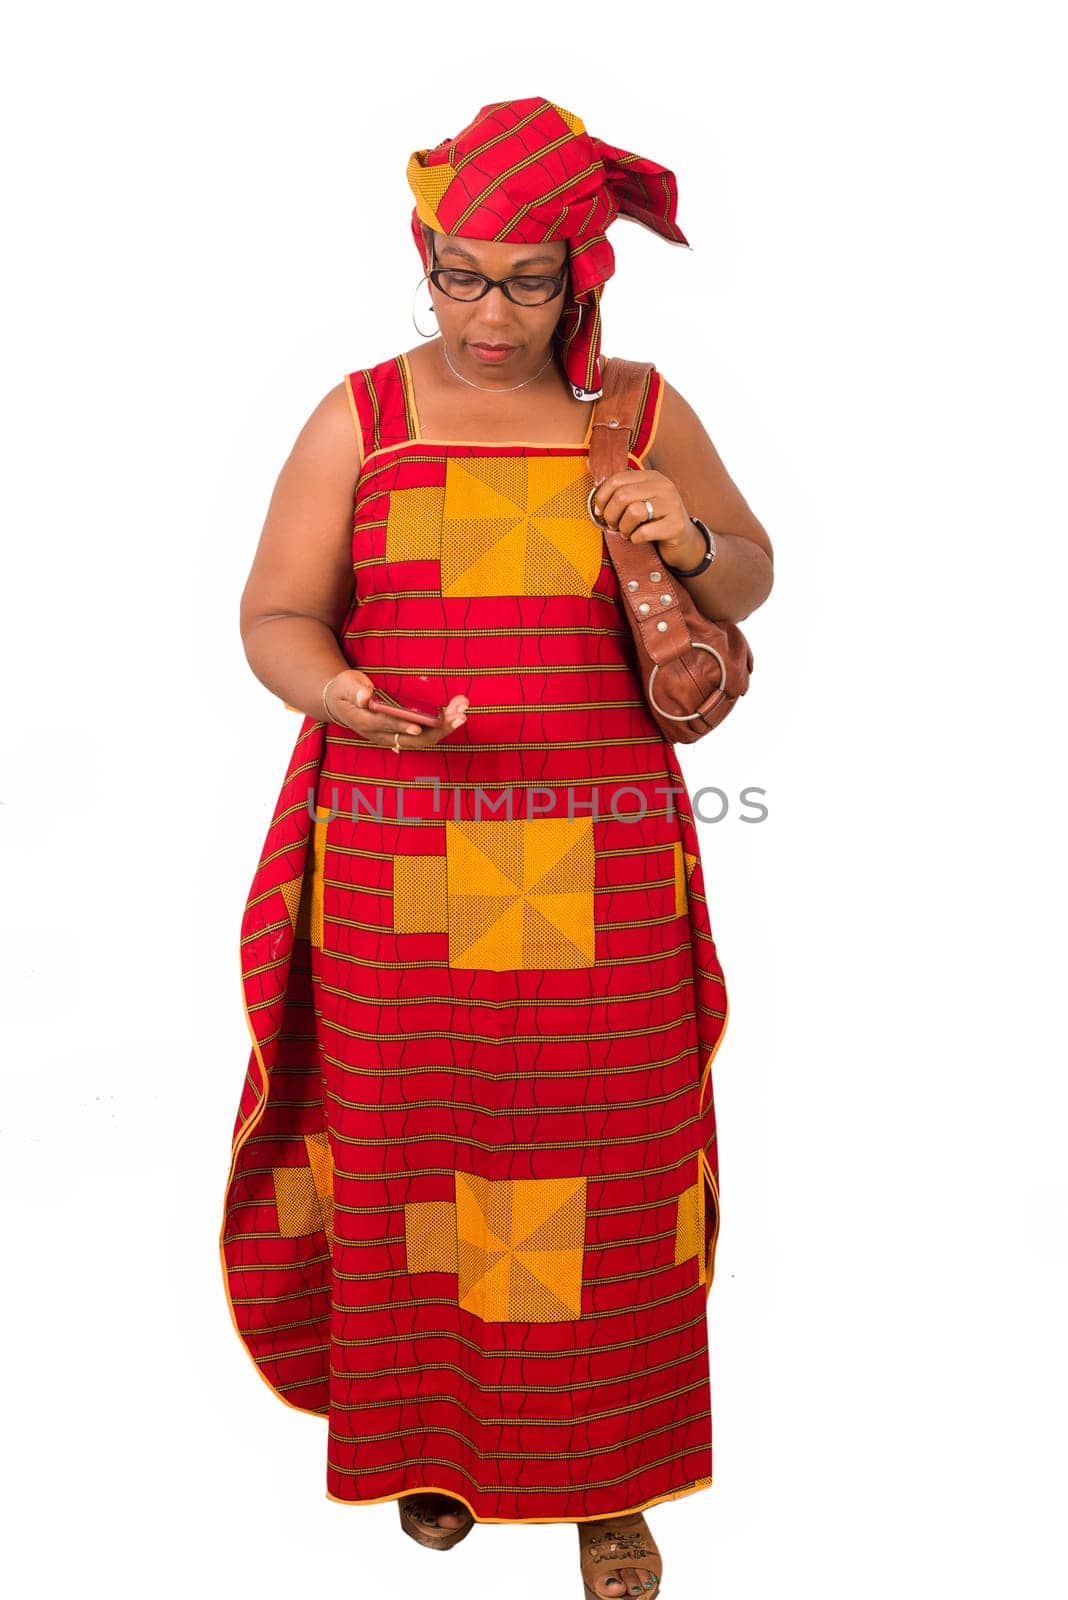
column 428, row 1534
column 618, row 1543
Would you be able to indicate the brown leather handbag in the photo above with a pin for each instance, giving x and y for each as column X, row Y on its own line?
column 693, row 670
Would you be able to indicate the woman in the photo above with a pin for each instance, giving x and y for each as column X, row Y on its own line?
column 473, row 1204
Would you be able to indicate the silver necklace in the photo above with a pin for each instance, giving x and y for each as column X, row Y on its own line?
column 489, row 388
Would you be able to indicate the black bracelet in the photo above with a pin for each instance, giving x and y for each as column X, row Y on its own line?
column 704, row 563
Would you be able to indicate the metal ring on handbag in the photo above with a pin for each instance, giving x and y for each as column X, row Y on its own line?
column 698, row 644
column 598, row 522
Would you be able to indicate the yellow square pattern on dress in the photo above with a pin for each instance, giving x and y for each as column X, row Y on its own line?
column 684, row 865
column 304, row 895
column 689, row 1228
column 413, row 526
column 419, row 894
column 430, row 1235
column 520, row 894
column 518, row 525
column 521, row 1244
column 304, row 1195
column 296, row 1201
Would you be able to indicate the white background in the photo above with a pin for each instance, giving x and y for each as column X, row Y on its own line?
column 207, row 227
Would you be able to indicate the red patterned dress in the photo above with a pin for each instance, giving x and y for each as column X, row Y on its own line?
column 473, row 1204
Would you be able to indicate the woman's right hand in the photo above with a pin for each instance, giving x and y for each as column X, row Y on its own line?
column 347, row 695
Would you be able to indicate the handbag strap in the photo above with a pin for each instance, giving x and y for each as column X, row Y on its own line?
column 660, row 623
column 622, row 383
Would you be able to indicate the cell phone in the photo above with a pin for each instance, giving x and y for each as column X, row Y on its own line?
column 422, row 711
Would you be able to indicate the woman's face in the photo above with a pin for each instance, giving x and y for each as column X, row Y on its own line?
column 470, row 327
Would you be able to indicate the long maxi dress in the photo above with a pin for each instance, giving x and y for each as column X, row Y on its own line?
column 473, row 1204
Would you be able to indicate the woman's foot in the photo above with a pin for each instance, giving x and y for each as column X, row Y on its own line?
column 437, row 1510
column 612, row 1552
column 626, row 1582
column 435, row 1520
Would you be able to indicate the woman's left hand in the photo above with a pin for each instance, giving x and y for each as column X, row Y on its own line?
column 621, row 502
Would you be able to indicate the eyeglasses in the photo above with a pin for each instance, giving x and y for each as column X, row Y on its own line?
column 521, row 290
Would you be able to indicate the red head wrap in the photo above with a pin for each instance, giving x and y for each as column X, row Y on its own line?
column 525, row 171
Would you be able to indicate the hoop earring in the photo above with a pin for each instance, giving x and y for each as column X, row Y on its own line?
column 418, row 329
column 578, row 308
column 567, row 339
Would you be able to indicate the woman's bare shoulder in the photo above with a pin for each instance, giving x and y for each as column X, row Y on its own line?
column 677, row 428
column 330, row 439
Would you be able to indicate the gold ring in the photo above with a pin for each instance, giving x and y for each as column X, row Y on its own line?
column 649, row 512
column 396, row 741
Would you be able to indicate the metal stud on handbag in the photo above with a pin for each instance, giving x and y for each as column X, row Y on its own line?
column 693, row 670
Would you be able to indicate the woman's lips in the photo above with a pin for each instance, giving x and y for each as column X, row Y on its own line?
column 494, row 353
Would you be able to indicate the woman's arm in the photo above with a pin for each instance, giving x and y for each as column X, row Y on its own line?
column 740, row 578
column 300, row 586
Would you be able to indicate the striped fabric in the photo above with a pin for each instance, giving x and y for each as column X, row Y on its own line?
column 525, row 171
column 473, row 1205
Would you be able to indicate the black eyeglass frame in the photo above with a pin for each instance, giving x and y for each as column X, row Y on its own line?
column 559, row 278
column 499, row 283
